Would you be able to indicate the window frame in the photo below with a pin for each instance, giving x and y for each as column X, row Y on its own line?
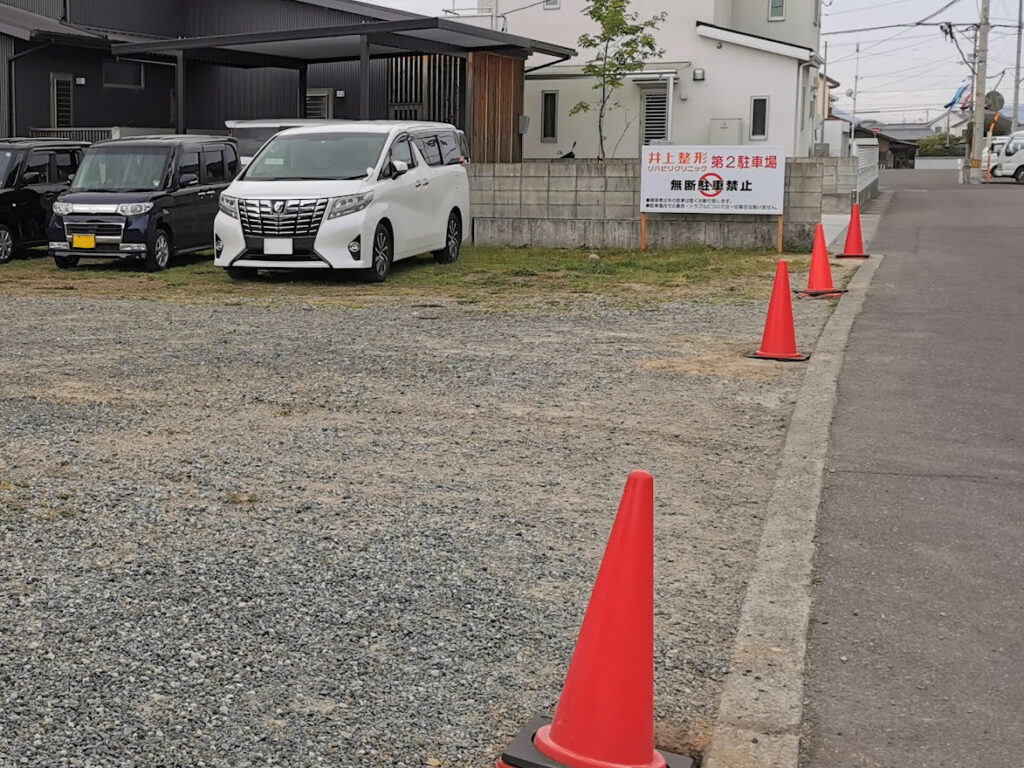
column 782, row 14
column 425, row 137
column 48, row 153
column 553, row 139
column 213, row 149
column 142, row 75
column 387, row 170
column 767, row 106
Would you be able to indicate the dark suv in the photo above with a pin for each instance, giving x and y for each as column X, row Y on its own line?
column 32, row 173
column 144, row 198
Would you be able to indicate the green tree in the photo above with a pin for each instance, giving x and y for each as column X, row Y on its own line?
column 623, row 45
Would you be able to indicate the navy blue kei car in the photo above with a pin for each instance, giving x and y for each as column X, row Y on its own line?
column 145, row 198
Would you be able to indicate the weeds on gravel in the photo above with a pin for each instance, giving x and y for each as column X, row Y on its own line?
column 504, row 277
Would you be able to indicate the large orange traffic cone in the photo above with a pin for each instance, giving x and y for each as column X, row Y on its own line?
column 854, row 248
column 605, row 716
column 779, row 340
column 819, row 282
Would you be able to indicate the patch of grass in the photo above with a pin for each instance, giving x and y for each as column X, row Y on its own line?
column 488, row 275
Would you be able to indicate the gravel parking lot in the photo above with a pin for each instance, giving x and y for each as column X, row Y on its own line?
column 244, row 536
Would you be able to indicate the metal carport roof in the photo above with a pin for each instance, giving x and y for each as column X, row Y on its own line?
column 298, row 48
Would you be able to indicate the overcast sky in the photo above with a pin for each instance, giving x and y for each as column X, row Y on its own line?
column 904, row 73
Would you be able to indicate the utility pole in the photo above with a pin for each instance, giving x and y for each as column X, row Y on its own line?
column 980, row 66
column 1014, row 123
column 826, row 93
column 856, row 87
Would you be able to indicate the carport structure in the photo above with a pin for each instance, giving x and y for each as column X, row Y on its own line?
column 438, row 69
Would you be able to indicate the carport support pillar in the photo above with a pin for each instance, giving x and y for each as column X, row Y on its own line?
column 364, row 77
column 179, row 91
column 303, row 88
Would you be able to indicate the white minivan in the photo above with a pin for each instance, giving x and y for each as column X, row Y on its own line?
column 1010, row 160
column 355, row 196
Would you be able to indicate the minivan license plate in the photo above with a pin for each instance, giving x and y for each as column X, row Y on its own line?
column 277, row 246
column 83, row 241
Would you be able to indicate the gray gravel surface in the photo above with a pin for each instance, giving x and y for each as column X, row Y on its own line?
column 237, row 536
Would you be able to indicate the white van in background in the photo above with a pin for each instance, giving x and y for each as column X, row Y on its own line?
column 253, row 134
column 1010, row 160
column 354, row 196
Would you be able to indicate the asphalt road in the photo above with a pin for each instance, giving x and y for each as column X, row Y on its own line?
column 916, row 650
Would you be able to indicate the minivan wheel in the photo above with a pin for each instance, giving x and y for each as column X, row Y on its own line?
column 65, row 262
column 159, row 256
column 242, row 273
column 382, row 254
column 6, row 244
column 452, row 240
column 1019, row 175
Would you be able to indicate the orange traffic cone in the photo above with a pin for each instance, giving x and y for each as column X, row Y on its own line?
column 779, row 340
column 819, row 282
column 854, row 248
column 605, row 716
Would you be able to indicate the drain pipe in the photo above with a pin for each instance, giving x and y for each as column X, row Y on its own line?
column 12, row 125
column 800, row 106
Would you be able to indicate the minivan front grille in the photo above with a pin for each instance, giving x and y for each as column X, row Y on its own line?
column 98, row 228
column 282, row 218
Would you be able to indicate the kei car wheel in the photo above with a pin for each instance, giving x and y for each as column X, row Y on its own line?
column 452, row 240
column 159, row 255
column 382, row 254
column 6, row 244
column 65, row 262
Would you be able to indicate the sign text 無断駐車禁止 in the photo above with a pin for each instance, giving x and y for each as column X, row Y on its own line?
column 723, row 179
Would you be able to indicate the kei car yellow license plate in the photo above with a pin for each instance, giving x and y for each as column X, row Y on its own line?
column 83, row 241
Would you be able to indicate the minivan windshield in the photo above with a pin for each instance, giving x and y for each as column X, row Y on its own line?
column 317, row 156
column 122, row 169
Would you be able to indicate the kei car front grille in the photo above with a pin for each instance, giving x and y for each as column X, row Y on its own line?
column 98, row 228
column 282, row 218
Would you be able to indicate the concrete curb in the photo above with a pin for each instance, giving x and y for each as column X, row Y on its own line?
column 761, row 709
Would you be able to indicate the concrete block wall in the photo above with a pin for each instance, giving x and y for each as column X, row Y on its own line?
column 587, row 204
column 839, row 180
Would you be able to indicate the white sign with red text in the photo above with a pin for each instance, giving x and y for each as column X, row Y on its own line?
column 747, row 179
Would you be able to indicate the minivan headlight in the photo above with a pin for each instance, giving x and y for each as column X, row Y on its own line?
column 63, row 209
column 343, row 206
column 134, row 209
column 229, row 205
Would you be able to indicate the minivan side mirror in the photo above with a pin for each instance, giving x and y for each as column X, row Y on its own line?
column 188, row 180
column 399, row 168
column 31, row 177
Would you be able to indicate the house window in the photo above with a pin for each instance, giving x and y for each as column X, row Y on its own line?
column 552, row 5
column 776, row 10
column 549, row 116
column 655, row 116
column 320, row 104
column 62, row 101
column 759, row 117
column 123, row 74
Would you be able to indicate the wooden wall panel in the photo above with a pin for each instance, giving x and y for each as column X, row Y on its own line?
column 498, row 87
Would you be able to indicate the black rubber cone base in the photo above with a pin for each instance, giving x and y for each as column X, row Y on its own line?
column 801, row 359
column 852, row 256
column 522, row 754
column 819, row 294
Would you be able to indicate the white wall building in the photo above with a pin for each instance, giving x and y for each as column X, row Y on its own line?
column 733, row 72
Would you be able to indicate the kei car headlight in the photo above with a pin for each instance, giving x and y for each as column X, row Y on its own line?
column 134, row 209
column 63, row 209
column 343, row 206
column 229, row 205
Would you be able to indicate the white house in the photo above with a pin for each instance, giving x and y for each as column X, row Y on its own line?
column 733, row 72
